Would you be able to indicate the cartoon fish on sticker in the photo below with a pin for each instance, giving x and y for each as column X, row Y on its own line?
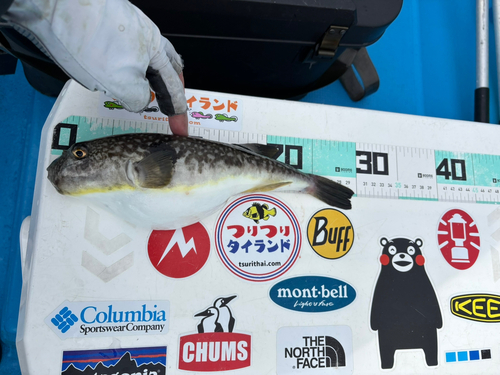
column 259, row 212
column 161, row 181
column 112, row 105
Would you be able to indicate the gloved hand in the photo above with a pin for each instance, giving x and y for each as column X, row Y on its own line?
column 110, row 46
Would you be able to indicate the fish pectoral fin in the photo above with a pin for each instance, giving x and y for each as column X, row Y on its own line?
column 264, row 150
column 268, row 187
column 154, row 171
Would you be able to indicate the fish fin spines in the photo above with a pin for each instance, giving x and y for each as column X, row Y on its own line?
column 330, row 192
column 269, row 151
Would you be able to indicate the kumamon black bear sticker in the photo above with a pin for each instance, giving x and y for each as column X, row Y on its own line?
column 405, row 310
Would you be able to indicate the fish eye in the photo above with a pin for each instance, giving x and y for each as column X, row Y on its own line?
column 392, row 250
column 79, row 153
column 411, row 250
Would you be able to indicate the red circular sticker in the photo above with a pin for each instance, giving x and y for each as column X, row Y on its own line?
column 458, row 239
column 179, row 253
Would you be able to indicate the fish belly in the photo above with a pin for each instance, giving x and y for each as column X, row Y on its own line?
column 165, row 209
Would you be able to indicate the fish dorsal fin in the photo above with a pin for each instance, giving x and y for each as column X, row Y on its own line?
column 154, row 171
column 264, row 150
column 268, row 187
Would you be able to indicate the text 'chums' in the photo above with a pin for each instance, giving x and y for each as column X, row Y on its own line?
column 215, row 347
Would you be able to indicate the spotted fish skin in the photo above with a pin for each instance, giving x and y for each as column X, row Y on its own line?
column 166, row 181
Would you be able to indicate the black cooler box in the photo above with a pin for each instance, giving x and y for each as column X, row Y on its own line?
column 270, row 48
column 274, row 48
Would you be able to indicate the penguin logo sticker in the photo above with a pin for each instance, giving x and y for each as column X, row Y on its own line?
column 215, row 347
column 218, row 317
column 330, row 233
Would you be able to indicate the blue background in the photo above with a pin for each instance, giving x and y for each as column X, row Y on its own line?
column 426, row 64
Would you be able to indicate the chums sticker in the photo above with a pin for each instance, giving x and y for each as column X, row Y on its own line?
column 312, row 294
column 215, row 347
column 214, row 351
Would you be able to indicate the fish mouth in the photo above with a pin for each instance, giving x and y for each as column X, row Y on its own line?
column 53, row 172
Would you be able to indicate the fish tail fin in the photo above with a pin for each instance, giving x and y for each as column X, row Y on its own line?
column 330, row 192
column 272, row 212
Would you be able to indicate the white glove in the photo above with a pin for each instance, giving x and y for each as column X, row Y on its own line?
column 110, row 46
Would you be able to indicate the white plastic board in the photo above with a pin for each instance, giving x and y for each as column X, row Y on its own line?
column 407, row 280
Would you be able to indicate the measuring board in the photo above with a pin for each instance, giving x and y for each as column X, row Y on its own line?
column 371, row 170
column 407, row 281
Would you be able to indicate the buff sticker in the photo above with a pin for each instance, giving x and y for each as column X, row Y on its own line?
column 258, row 238
column 314, row 350
column 330, row 233
column 116, row 318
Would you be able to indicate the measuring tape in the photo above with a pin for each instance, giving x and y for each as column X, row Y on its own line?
column 370, row 170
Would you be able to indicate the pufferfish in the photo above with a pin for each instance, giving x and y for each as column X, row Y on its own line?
column 165, row 182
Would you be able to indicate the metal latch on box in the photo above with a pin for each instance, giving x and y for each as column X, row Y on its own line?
column 328, row 45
